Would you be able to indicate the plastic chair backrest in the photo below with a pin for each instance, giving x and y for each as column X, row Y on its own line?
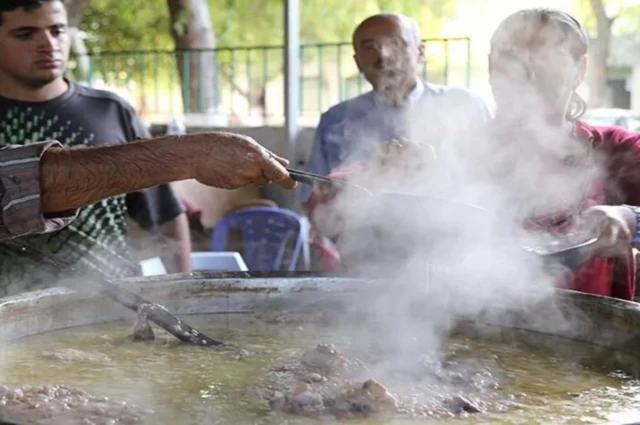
column 266, row 234
column 218, row 261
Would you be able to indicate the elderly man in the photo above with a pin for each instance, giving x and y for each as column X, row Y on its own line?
column 42, row 185
column 389, row 53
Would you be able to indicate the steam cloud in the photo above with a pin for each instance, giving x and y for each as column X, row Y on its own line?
column 446, row 260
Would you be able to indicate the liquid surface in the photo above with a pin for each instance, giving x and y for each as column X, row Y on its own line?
column 189, row 385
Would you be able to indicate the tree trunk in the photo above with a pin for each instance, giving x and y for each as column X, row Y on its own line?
column 194, row 39
column 599, row 57
column 75, row 12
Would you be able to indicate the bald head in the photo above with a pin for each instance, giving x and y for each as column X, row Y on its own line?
column 389, row 53
column 404, row 25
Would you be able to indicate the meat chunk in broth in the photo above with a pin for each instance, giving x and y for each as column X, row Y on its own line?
column 326, row 359
column 42, row 405
column 326, row 382
column 345, row 400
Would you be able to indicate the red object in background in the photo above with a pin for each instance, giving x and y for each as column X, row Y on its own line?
column 621, row 149
column 326, row 195
column 622, row 160
column 329, row 256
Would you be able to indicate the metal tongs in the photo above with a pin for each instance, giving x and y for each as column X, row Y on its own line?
column 157, row 313
column 571, row 257
column 312, row 179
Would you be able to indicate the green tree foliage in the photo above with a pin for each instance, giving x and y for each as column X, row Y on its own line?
column 118, row 25
column 625, row 12
column 140, row 25
column 606, row 20
column 125, row 25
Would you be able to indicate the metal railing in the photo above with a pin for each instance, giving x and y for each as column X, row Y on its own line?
column 244, row 85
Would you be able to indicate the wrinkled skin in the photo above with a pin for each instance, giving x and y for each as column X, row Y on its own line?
column 230, row 161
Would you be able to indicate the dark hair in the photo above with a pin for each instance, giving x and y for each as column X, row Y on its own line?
column 574, row 32
column 27, row 5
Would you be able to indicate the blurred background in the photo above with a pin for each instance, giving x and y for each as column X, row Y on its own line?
column 195, row 65
column 220, row 62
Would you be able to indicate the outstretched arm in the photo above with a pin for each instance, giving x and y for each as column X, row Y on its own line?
column 72, row 178
column 42, row 185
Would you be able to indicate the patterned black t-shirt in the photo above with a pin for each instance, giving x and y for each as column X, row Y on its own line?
column 90, row 117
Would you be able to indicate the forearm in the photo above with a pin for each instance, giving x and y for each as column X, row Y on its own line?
column 177, row 230
column 72, row 178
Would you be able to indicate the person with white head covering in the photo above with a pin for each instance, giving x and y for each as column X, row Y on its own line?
column 558, row 174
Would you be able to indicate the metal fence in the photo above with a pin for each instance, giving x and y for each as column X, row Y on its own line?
column 244, row 85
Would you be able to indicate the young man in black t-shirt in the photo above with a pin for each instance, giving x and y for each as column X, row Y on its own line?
column 37, row 103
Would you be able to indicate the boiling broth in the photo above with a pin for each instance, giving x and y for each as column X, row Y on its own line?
column 190, row 385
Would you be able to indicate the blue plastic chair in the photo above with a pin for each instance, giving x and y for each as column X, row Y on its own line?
column 266, row 232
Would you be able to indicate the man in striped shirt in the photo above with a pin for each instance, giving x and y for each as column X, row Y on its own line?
column 42, row 185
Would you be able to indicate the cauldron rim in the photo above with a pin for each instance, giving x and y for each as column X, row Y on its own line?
column 598, row 320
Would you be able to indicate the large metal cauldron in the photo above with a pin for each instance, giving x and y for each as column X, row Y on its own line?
column 604, row 322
